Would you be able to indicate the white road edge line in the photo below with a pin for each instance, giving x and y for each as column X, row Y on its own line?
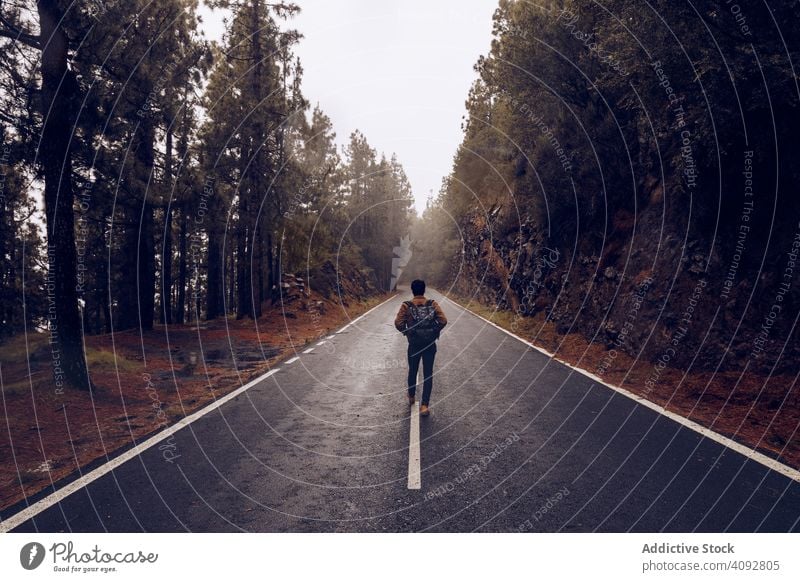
column 35, row 509
column 292, row 360
column 760, row 458
column 46, row 502
column 308, row 351
column 414, row 473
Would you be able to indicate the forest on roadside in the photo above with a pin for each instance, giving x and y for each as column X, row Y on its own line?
column 176, row 217
column 151, row 177
column 628, row 173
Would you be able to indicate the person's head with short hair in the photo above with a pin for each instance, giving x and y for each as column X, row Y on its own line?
column 418, row 287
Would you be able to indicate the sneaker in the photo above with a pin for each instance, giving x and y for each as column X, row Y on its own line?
column 411, row 400
column 423, row 410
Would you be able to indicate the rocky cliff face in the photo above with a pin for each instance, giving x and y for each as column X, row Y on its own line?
column 662, row 294
column 341, row 279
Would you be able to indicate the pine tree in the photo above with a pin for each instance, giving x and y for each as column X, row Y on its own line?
column 249, row 104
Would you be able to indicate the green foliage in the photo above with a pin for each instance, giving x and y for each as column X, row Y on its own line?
column 435, row 240
column 23, row 298
column 379, row 205
column 583, row 113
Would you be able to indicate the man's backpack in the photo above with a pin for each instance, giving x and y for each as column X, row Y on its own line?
column 423, row 328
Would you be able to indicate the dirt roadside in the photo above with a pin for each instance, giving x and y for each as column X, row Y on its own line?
column 761, row 412
column 146, row 382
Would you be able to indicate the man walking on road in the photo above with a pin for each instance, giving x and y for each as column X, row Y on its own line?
column 420, row 320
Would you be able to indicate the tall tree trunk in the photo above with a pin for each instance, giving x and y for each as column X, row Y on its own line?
column 125, row 313
column 180, row 312
column 136, row 296
column 271, row 279
column 166, row 268
column 244, row 303
column 103, row 282
column 7, row 275
column 257, row 279
column 146, row 264
column 277, row 262
column 59, row 94
column 183, row 149
column 216, row 282
column 166, row 250
column 261, row 268
column 253, row 175
column 147, row 268
column 106, row 307
column 231, row 279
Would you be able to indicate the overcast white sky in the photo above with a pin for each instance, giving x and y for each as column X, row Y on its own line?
column 397, row 70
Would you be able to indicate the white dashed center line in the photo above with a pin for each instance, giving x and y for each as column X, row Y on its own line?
column 414, row 474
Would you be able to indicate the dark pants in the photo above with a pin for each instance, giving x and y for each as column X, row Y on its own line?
column 427, row 355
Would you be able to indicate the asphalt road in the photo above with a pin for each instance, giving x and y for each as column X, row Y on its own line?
column 515, row 442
